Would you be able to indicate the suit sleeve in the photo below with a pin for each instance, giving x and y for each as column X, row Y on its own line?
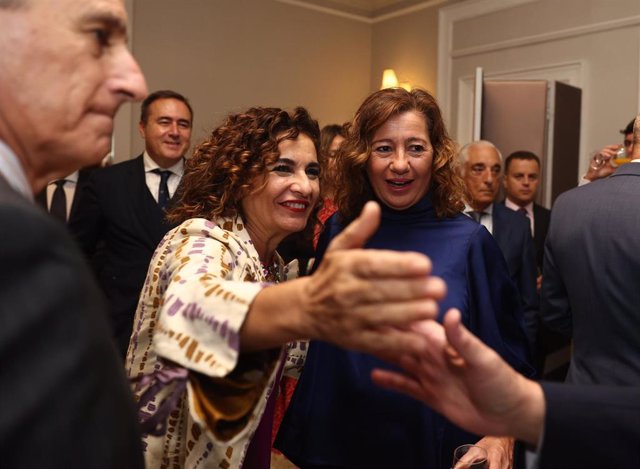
column 65, row 399
column 591, row 426
column 555, row 310
column 87, row 219
column 527, row 287
column 495, row 311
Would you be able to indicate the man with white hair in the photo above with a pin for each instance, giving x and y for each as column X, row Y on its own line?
column 481, row 170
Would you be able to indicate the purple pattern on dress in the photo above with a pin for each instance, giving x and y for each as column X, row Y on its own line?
column 173, row 309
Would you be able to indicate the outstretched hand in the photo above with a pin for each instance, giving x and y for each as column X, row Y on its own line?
column 367, row 299
column 468, row 382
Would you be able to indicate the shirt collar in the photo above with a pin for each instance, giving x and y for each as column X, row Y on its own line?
column 150, row 165
column 73, row 177
column 488, row 209
column 513, row 206
column 12, row 171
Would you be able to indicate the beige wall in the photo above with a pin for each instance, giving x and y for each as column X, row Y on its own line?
column 593, row 44
column 408, row 44
column 227, row 55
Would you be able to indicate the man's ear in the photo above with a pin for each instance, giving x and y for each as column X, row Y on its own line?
column 141, row 129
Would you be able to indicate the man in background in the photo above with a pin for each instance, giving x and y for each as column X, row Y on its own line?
column 120, row 218
column 64, row 71
column 522, row 177
column 481, row 170
column 601, row 163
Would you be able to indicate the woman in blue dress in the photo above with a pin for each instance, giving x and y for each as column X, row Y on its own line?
column 398, row 152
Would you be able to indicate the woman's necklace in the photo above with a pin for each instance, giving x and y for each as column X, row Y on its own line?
column 271, row 271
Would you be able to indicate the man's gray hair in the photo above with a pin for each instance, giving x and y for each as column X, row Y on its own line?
column 463, row 154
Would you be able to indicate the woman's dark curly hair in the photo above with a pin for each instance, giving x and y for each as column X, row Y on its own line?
column 233, row 162
column 353, row 189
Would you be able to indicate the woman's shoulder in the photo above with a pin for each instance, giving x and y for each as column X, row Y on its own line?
column 228, row 231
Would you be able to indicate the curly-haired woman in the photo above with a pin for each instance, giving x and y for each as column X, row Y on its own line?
column 206, row 348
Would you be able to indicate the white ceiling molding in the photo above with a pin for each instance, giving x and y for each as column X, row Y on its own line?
column 362, row 18
column 547, row 37
column 330, row 11
column 447, row 16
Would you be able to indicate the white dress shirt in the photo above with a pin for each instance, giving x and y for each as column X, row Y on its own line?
column 71, row 182
column 153, row 179
column 11, row 170
column 486, row 219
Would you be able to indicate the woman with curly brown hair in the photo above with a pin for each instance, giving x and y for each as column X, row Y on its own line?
column 206, row 350
column 398, row 153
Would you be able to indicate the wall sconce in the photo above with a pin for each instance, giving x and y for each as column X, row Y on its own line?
column 390, row 80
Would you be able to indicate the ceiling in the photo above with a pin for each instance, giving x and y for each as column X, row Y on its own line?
column 367, row 8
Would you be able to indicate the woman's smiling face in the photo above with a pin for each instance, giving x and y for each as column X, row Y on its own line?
column 399, row 167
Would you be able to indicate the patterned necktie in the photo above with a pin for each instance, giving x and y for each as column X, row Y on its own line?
column 59, row 202
column 163, row 188
column 523, row 211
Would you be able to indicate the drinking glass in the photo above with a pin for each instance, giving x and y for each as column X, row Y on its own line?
column 470, row 457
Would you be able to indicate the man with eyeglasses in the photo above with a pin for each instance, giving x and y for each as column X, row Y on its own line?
column 481, row 170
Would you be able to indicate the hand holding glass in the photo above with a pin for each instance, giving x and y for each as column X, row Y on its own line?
column 470, row 457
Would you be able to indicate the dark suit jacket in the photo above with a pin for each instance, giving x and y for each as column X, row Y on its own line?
column 590, row 427
column 118, row 220
column 591, row 271
column 83, row 177
column 65, row 399
column 542, row 217
column 512, row 232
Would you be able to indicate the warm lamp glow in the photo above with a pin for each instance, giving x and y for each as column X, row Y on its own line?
column 389, row 79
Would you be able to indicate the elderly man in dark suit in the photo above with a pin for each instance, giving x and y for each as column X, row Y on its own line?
column 590, row 266
column 120, row 220
column 481, row 169
column 64, row 71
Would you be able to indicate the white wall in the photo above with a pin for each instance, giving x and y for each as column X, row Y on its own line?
column 593, row 44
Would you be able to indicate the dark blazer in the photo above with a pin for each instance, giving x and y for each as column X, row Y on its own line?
column 542, row 217
column 512, row 232
column 83, row 177
column 591, row 267
column 65, row 399
column 118, row 225
column 591, row 427
column 587, row 427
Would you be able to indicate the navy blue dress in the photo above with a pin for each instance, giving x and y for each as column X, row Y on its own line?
column 338, row 419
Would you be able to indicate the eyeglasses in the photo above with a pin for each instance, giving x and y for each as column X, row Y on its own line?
column 480, row 168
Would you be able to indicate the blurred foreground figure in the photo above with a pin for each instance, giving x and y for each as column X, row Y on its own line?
column 64, row 71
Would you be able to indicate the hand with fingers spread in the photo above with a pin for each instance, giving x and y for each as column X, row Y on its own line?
column 468, row 382
column 359, row 299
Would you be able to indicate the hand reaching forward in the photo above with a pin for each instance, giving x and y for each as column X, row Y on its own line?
column 366, row 299
column 363, row 299
column 469, row 383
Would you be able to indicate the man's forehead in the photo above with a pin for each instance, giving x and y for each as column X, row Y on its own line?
column 483, row 154
column 523, row 165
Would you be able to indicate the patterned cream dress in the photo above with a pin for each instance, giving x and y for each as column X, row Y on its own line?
column 203, row 398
